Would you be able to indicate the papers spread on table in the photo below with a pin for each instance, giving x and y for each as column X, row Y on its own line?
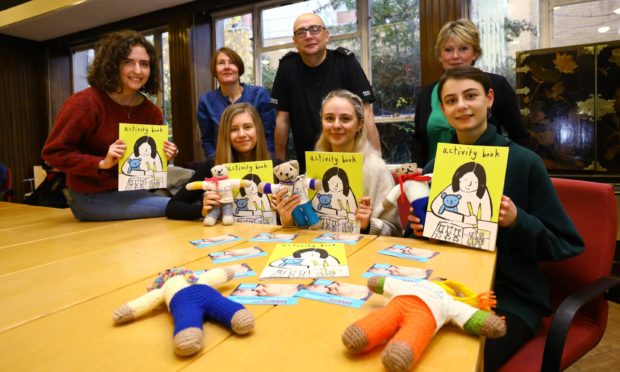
column 306, row 260
column 214, row 240
column 266, row 294
column 144, row 165
column 409, row 253
column 241, row 270
column 273, row 237
column 236, row 254
column 398, row 271
column 338, row 238
column 336, row 292
column 467, row 187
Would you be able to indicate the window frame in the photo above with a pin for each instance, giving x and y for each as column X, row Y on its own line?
column 362, row 34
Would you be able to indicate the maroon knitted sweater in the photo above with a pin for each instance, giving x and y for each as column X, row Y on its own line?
column 86, row 125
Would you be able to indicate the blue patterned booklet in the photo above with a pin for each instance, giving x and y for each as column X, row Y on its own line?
column 214, row 240
column 265, row 294
column 409, row 253
column 398, row 271
column 337, row 293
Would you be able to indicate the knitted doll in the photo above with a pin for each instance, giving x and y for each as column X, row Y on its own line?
column 412, row 185
column 223, row 186
column 290, row 180
column 416, row 311
column 190, row 299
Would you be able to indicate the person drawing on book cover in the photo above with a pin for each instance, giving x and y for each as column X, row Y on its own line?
column 309, row 257
column 144, row 160
column 249, row 201
column 467, row 198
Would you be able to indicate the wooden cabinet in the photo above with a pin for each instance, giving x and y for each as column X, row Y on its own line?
column 570, row 102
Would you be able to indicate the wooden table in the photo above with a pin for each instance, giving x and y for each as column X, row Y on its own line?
column 61, row 280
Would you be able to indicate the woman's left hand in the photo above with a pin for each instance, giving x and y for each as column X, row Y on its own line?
column 170, row 149
column 507, row 212
column 364, row 211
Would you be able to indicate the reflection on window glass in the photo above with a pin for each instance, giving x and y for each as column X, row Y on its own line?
column 586, row 23
column 236, row 33
column 396, row 139
column 395, row 56
column 269, row 65
column 506, row 27
column 277, row 23
column 81, row 60
column 395, row 61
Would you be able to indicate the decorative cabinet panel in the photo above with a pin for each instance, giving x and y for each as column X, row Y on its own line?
column 570, row 102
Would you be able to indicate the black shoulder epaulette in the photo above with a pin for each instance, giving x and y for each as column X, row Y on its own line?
column 344, row 51
column 289, row 54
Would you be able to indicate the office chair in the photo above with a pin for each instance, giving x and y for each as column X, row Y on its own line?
column 577, row 285
column 6, row 188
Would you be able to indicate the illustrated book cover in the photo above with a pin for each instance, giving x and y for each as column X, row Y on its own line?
column 144, row 165
column 306, row 260
column 252, row 206
column 341, row 175
column 466, row 190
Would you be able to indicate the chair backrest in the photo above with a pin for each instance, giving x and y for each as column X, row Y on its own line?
column 403, row 206
column 592, row 208
column 6, row 188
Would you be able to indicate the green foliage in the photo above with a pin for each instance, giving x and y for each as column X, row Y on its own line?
column 395, row 55
column 514, row 27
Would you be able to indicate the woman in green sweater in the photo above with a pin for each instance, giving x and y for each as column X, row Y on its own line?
column 533, row 225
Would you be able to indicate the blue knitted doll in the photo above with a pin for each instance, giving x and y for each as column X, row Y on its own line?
column 190, row 299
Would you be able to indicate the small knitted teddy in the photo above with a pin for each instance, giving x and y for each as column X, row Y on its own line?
column 416, row 311
column 290, row 180
column 412, row 185
column 190, row 299
column 224, row 186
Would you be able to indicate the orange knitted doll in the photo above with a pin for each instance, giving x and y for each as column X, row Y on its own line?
column 416, row 311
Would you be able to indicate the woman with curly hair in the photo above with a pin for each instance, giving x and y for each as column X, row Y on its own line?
column 84, row 142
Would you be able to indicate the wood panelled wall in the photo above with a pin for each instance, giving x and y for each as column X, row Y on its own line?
column 433, row 15
column 181, row 76
column 23, row 118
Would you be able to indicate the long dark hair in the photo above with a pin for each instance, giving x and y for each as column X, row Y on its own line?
column 478, row 171
column 254, row 178
column 145, row 139
column 335, row 171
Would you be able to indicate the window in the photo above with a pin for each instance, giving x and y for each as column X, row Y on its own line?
column 236, row 32
column 509, row 26
column 584, row 22
column 82, row 58
column 393, row 27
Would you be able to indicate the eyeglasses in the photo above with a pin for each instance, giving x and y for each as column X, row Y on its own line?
column 313, row 30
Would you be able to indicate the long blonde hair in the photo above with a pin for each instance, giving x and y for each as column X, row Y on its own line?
column 224, row 152
column 360, row 140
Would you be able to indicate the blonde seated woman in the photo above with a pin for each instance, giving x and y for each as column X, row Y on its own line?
column 241, row 138
column 343, row 130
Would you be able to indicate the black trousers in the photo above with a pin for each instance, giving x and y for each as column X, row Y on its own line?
column 497, row 351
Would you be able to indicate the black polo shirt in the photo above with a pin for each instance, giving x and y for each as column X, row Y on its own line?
column 299, row 90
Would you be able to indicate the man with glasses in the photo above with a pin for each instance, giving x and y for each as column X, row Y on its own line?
column 305, row 77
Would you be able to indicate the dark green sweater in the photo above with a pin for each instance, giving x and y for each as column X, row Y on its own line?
column 542, row 232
